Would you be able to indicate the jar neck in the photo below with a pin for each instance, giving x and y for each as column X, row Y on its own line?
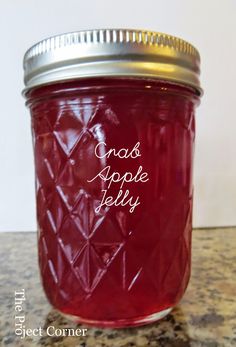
column 109, row 85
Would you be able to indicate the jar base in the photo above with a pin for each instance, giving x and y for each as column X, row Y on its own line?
column 120, row 323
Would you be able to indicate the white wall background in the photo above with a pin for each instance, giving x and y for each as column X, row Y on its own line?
column 209, row 24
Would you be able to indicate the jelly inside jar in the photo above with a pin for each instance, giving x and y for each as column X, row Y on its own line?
column 113, row 164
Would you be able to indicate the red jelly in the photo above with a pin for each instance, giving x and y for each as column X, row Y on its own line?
column 113, row 159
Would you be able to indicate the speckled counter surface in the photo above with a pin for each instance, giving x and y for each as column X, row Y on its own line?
column 205, row 317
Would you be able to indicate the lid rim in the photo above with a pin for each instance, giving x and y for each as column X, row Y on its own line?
column 112, row 47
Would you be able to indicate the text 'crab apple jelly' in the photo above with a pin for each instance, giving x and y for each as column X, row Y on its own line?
column 113, row 133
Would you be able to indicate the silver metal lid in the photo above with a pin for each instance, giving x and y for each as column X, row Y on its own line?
column 112, row 52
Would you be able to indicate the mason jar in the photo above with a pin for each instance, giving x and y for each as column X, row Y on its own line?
column 113, row 134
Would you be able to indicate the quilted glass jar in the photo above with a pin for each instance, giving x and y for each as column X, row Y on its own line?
column 113, row 134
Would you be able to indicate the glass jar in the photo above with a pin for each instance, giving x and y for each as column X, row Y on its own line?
column 113, row 133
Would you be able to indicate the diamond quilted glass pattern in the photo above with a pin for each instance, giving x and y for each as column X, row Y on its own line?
column 112, row 265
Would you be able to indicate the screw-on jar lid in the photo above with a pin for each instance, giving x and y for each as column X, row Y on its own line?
column 114, row 53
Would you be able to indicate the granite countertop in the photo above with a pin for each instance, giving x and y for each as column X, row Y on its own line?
column 205, row 317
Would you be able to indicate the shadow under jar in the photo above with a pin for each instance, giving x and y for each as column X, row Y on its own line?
column 113, row 133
